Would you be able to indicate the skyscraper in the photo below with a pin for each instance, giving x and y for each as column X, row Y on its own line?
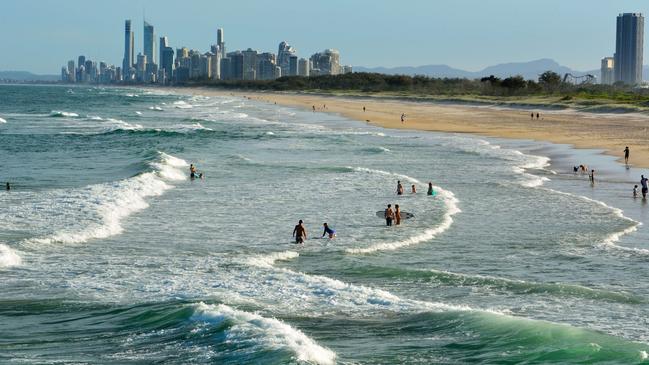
column 607, row 71
column 164, row 42
column 284, row 54
column 220, row 41
column 325, row 63
column 629, row 43
column 149, row 43
column 128, row 50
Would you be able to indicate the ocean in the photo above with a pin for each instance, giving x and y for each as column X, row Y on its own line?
column 110, row 254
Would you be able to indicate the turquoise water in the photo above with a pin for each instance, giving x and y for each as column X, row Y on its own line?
column 110, row 254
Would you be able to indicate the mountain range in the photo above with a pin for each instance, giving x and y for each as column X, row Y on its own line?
column 529, row 70
column 26, row 76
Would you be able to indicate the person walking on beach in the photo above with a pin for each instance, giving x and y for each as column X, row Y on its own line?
column 645, row 189
column 363, row 109
column 399, row 188
column 313, row 108
column 389, row 215
column 626, row 155
column 532, row 115
column 537, row 116
column 430, row 189
column 299, row 232
column 329, row 231
column 397, row 214
column 403, row 117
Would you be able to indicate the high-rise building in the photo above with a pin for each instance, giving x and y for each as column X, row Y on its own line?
column 607, row 71
column 166, row 64
column 292, row 65
column 236, row 65
column 141, row 67
column 149, row 42
column 325, row 63
column 215, row 63
column 266, row 66
column 72, row 72
column 80, row 62
column 220, row 41
column 629, row 43
column 249, row 64
column 284, row 53
column 303, row 67
column 164, row 42
column 127, row 63
column 226, row 69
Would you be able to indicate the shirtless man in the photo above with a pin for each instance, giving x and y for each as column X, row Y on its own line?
column 389, row 215
column 399, row 188
column 397, row 214
column 626, row 155
column 299, row 232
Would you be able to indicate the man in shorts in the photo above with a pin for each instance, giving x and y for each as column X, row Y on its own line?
column 645, row 189
column 299, row 232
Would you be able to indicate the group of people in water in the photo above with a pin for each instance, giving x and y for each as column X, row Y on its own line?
column 300, row 233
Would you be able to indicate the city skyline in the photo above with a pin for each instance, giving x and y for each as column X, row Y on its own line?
column 415, row 32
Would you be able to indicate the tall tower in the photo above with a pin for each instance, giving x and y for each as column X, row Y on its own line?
column 149, row 43
column 128, row 49
column 220, row 41
column 629, row 43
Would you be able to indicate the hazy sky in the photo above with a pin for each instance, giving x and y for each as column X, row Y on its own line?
column 42, row 35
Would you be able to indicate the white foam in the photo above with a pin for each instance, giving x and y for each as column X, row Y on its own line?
column 155, row 107
column 184, row 128
column 138, row 113
column 265, row 332
column 132, row 95
column 8, row 257
column 182, row 105
column 112, row 202
column 3, row 120
column 450, row 202
column 57, row 113
column 270, row 259
column 94, row 117
column 270, row 133
column 118, row 124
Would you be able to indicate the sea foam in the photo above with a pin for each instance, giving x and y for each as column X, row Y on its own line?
column 258, row 331
column 8, row 257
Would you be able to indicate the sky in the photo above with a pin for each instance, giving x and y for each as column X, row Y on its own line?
column 41, row 35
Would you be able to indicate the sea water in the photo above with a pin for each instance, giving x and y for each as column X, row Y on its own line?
column 110, row 254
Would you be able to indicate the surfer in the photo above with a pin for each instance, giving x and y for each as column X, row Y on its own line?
column 414, row 189
column 645, row 189
column 329, row 231
column 626, row 155
column 399, row 188
column 389, row 215
column 430, row 189
column 299, row 232
column 397, row 214
column 192, row 171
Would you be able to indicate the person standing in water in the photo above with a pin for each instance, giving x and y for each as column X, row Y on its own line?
column 397, row 214
column 8, row 186
column 626, row 155
column 430, row 189
column 645, row 189
column 591, row 176
column 389, row 215
column 635, row 191
column 399, row 188
column 414, row 189
column 329, row 231
column 299, row 232
column 192, row 171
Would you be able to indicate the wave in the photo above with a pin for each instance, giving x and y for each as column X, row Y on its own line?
column 60, row 114
column 378, row 149
column 182, row 105
column 610, row 240
column 262, row 333
column 9, row 257
column 270, row 259
column 450, row 202
column 156, row 108
column 3, row 120
column 110, row 203
column 118, row 124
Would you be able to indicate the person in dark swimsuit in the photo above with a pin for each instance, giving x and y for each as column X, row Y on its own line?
column 329, row 231
column 299, row 232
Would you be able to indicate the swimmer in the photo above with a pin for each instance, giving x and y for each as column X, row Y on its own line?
column 430, row 188
column 329, row 231
column 575, row 170
column 389, row 215
column 414, row 189
column 299, row 232
column 192, row 171
column 399, row 188
column 397, row 214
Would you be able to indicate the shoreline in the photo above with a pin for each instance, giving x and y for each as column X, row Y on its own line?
column 608, row 132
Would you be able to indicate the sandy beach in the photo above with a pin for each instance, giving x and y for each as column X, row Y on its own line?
column 609, row 132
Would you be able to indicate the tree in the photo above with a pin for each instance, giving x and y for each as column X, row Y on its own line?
column 550, row 80
column 514, row 83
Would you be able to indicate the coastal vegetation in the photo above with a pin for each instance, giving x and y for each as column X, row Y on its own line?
column 548, row 90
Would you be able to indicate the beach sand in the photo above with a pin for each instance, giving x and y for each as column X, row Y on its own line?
column 608, row 132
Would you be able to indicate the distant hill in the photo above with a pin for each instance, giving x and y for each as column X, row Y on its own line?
column 26, row 76
column 529, row 70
